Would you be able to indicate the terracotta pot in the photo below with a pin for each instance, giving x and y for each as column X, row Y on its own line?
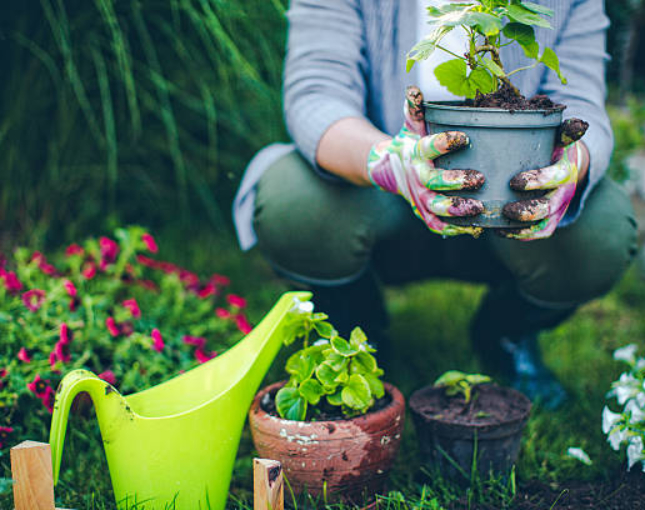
column 444, row 443
column 341, row 459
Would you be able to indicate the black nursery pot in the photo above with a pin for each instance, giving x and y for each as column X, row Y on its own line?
column 502, row 144
column 446, row 440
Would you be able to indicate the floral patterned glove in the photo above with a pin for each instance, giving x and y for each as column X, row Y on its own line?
column 404, row 166
column 560, row 179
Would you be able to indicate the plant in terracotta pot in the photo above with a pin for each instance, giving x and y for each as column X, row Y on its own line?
column 334, row 425
column 508, row 134
column 465, row 421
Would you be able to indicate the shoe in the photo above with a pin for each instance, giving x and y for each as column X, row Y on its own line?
column 529, row 375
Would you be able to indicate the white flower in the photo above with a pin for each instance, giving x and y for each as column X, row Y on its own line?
column 640, row 364
column 579, row 454
column 637, row 413
column 616, row 438
column 627, row 353
column 625, row 388
column 635, row 451
column 609, row 420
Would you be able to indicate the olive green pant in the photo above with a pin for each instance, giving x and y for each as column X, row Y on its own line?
column 322, row 232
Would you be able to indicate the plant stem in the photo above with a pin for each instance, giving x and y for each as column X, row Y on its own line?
column 526, row 68
column 494, row 51
column 450, row 52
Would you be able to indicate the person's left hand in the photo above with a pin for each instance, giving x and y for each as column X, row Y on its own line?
column 560, row 180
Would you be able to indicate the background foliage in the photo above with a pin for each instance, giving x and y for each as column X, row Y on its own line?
column 146, row 111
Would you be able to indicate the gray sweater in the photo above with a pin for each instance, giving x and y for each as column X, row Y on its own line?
column 346, row 58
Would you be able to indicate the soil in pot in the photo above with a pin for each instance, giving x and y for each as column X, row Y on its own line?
column 486, row 432
column 336, row 458
column 506, row 99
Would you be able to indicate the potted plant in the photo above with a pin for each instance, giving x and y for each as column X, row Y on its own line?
column 334, row 425
column 508, row 133
column 464, row 422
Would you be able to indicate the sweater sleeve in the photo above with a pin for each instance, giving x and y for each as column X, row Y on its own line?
column 325, row 68
column 581, row 48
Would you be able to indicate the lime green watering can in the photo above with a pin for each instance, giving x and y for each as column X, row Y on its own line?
column 173, row 446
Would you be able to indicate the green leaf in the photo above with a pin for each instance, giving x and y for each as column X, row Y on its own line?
column 290, row 404
column 311, row 390
column 363, row 363
column 324, row 329
column 523, row 15
column 300, row 365
column 357, row 338
column 335, row 399
column 376, row 385
column 326, row 375
column 336, row 361
column 454, row 76
column 537, row 8
column 493, row 67
column 477, row 379
column 487, row 24
column 525, row 36
column 550, row 59
column 450, row 378
column 342, row 347
column 357, row 394
column 426, row 47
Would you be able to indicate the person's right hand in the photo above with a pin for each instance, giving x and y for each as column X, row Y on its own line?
column 404, row 166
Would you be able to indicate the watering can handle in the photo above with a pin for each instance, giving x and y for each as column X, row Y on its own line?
column 75, row 382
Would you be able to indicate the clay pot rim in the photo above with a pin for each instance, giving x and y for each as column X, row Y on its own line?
column 395, row 407
column 522, row 418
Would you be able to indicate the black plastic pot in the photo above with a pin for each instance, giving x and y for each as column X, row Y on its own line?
column 502, row 144
column 454, row 448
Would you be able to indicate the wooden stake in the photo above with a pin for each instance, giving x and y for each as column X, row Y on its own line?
column 268, row 485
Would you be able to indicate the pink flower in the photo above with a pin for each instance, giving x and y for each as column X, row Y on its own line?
column 11, row 282
column 3, row 374
column 48, row 399
column 38, row 386
column 197, row 341
column 89, row 270
column 206, row 291
column 189, row 279
column 202, row 357
column 133, row 306
column 148, row 262
column 65, row 334
column 61, row 351
column 73, row 303
column 243, row 324
column 53, row 360
column 112, row 326
column 70, row 288
column 4, row 435
column 109, row 249
column 236, row 301
column 223, row 313
column 157, row 341
column 150, row 243
column 74, row 249
column 23, row 355
column 108, row 376
column 33, row 299
column 42, row 263
column 220, row 280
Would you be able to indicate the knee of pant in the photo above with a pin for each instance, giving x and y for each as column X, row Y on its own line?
column 311, row 230
column 586, row 260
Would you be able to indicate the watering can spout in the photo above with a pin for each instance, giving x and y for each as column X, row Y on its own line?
column 107, row 402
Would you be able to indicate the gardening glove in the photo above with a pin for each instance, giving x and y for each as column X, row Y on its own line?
column 560, row 180
column 404, row 166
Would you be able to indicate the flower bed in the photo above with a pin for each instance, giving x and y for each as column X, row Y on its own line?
column 110, row 306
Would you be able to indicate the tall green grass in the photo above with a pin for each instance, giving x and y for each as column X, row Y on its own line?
column 120, row 111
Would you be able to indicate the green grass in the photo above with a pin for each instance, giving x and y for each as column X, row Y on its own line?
column 579, row 351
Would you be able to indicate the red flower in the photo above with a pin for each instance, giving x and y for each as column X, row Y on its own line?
column 220, row 280
column 189, row 279
column 89, row 270
column 197, row 341
column 61, row 351
column 48, row 399
column 33, row 299
column 65, row 334
column 4, row 435
column 223, row 313
column 109, row 250
column 73, row 303
column 108, row 376
column 3, row 374
column 70, row 288
column 39, row 386
column 157, row 341
column 236, row 301
column 23, row 355
column 11, row 282
column 202, row 357
column 148, row 262
column 42, row 263
column 133, row 306
column 112, row 326
column 243, row 324
column 74, row 249
column 206, row 291
column 150, row 243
